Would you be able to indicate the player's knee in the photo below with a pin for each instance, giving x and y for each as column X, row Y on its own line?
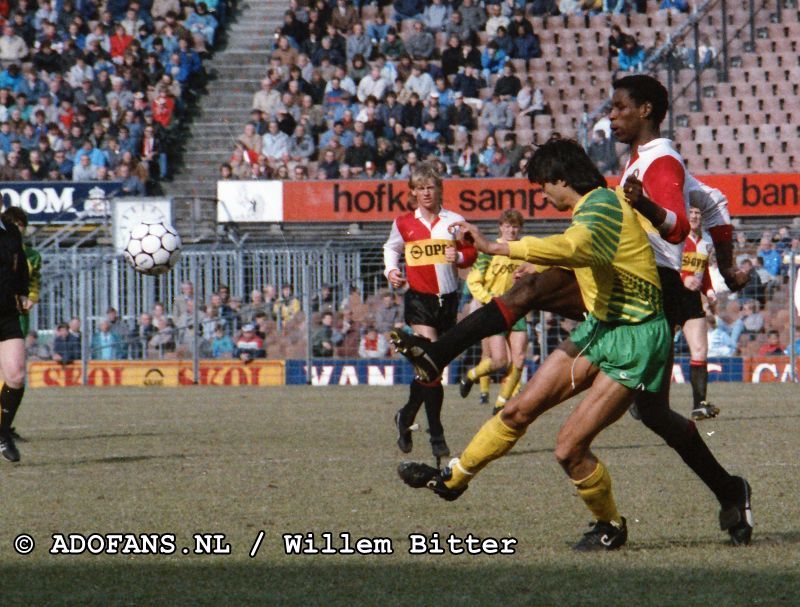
column 516, row 417
column 15, row 378
column 569, row 453
column 499, row 362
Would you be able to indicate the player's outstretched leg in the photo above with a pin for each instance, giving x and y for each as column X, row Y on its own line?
column 681, row 434
column 554, row 290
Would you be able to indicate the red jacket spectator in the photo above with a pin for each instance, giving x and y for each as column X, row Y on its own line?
column 119, row 42
column 162, row 108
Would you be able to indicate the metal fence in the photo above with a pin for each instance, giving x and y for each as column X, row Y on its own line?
column 85, row 284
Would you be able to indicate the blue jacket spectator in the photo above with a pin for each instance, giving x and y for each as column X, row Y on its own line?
column 631, row 55
column 105, row 344
column 493, row 59
column 66, row 346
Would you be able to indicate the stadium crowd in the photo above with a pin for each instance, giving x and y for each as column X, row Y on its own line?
column 94, row 90
column 347, row 97
column 271, row 322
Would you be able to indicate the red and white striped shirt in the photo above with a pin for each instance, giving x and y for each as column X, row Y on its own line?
column 423, row 245
column 695, row 261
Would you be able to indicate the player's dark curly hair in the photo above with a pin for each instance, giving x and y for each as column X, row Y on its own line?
column 646, row 89
column 565, row 160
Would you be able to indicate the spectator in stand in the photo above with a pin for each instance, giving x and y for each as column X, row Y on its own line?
column 407, row 9
column 496, row 19
column 458, row 28
column 275, row 143
column 526, row 44
column 419, row 82
column 326, row 337
column 674, row 5
column 492, row 60
column 496, row 114
column 267, row 99
column 603, row 154
column 373, row 344
column 84, row 170
column 378, row 29
column 221, row 344
column 344, row 16
column 140, row 336
column 131, row 184
column 773, row 346
column 36, row 350
column 105, row 344
column 468, row 161
column 201, row 23
column 436, row 16
column 358, row 42
column 720, row 342
column 358, row 154
column 771, row 256
column 66, row 346
column 248, row 346
column 329, row 165
column 420, row 44
column 301, row 145
column 392, row 47
column 469, row 83
column 13, row 48
column 460, row 115
column 389, row 315
column 287, row 306
column 631, row 55
column 750, row 320
column 754, row 289
column 508, row 85
column 372, row 85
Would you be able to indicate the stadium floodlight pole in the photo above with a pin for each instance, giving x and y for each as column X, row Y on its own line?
column 793, row 313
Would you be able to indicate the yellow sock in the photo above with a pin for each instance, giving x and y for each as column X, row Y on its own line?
column 482, row 368
column 595, row 491
column 492, row 441
column 509, row 385
column 485, row 382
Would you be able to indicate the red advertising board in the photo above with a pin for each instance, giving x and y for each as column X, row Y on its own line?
column 476, row 199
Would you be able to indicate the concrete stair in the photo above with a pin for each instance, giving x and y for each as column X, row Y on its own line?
column 236, row 69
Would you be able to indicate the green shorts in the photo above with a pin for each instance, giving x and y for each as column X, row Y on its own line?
column 520, row 325
column 632, row 355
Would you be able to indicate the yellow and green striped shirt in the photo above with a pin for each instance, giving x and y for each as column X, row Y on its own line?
column 609, row 250
column 491, row 276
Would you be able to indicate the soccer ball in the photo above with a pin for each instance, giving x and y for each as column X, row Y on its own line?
column 153, row 248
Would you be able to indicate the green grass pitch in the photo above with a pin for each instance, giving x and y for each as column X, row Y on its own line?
column 298, row 460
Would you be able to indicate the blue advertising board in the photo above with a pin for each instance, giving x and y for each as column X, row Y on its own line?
column 60, row 201
column 390, row 372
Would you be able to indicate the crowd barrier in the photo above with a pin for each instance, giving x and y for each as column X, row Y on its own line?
column 379, row 372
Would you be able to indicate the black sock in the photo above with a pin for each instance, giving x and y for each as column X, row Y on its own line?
column 699, row 378
column 483, row 322
column 416, row 396
column 681, row 434
column 434, row 397
column 10, row 399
